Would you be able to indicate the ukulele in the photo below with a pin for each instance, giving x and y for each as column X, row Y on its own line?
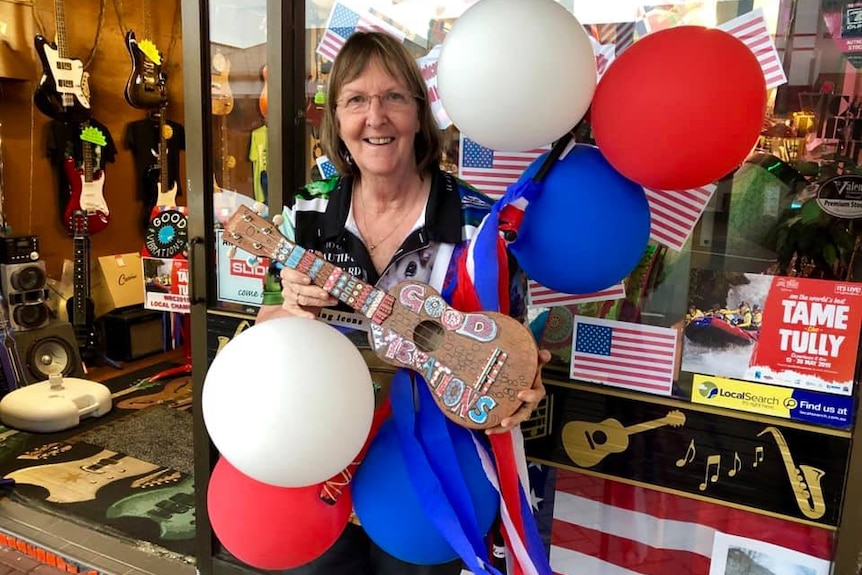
column 474, row 363
column 80, row 308
column 87, row 186
column 263, row 102
column 587, row 443
column 63, row 92
column 167, row 234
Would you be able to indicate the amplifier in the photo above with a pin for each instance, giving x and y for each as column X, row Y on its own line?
column 133, row 332
column 19, row 249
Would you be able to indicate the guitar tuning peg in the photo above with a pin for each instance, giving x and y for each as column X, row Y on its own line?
column 278, row 219
column 252, row 261
column 231, row 251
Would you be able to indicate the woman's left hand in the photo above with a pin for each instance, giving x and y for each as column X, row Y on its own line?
column 531, row 398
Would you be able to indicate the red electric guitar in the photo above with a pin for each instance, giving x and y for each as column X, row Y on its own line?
column 474, row 363
column 87, row 185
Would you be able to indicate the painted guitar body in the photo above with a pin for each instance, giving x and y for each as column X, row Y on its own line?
column 61, row 77
column 173, row 508
column 86, row 196
column 146, row 87
column 76, row 481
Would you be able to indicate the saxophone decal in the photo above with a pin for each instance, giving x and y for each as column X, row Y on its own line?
column 804, row 479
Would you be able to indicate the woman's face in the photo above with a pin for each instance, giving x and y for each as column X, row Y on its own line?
column 379, row 136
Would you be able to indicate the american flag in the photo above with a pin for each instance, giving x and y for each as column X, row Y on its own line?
column 343, row 22
column 540, row 296
column 492, row 171
column 606, row 527
column 752, row 30
column 673, row 215
column 624, row 354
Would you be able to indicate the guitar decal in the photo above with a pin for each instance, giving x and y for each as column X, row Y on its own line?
column 63, row 91
column 173, row 508
column 176, row 393
column 587, row 443
column 80, row 480
column 474, row 363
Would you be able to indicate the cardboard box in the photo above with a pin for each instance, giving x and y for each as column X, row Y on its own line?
column 117, row 282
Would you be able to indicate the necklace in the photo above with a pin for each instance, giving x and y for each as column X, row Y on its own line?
column 374, row 245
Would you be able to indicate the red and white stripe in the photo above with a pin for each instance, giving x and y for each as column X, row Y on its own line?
column 674, row 214
column 605, row 527
column 540, row 296
column 752, row 30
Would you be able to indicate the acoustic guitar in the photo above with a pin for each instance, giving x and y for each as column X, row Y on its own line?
column 263, row 102
column 474, row 363
column 63, row 92
column 222, row 96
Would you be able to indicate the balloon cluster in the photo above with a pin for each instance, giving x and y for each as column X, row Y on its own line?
column 517, row 75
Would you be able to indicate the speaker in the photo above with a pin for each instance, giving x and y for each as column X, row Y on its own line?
column 132, row 333
column 48, row 350
column 24, row 286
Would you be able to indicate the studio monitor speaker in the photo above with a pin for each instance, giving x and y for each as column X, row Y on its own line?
column 48, row 350
column 24, row 287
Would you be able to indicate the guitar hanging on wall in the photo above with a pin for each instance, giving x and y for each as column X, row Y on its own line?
column 87, row 185
column 474, row 363
column 80, row 307
column 63, row 92
column 222, row 106
column 167, row 233
column 146, row 87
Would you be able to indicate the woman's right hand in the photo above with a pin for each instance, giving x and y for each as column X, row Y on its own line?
column 301, row 297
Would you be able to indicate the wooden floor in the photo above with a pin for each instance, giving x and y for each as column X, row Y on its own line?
column 105, row 372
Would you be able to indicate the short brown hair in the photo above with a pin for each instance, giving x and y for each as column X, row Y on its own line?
column 356, row 53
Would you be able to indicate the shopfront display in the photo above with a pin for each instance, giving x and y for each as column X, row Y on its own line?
column 711, row 388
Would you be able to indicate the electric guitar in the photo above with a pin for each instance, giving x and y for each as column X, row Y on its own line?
column 80, row 480
column 80, row 307
column 166, row 235
column 474, row 363
column 173, row 508
column 147, row 85
column 176, row 393
column 222, row 96
column 87, row 191
column 587, row 443
column 63, row 92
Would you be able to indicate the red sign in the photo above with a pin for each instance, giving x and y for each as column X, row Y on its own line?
column 809, row 335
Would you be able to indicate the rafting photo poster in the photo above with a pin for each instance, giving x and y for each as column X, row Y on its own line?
column 792, row 332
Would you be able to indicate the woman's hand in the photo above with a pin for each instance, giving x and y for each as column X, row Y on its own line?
column 301, row 297
column 531, row 398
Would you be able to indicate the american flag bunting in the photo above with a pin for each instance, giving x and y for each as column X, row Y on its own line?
column 343, row 22
column 540, row 296
column 673, row 214
column 623, row 354
column 492, row 171
column 752, row 30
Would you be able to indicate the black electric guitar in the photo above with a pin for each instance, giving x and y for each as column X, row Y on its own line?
column 474, row 363
column 147, row 85
column 166, row 235
column 63, row 92
column 80, row 308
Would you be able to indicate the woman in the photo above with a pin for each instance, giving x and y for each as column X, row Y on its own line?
column 392, row 215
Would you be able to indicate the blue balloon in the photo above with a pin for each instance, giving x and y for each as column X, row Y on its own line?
column 390, row 511
column 586, row 229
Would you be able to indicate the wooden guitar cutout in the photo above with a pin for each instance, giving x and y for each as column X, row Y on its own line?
column 474, row 363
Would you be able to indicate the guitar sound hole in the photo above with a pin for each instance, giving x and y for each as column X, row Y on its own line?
column 599, row 437
column 428, row 335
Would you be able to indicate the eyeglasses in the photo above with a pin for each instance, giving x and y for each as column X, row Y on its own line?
column 393, row 101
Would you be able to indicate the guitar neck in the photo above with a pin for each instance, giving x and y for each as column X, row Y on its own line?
column 163, row 151
column 647, row 425
column 60, row 18
column 81, row 288
column 225, row 169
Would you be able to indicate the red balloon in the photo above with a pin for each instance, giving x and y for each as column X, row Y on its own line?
column 680, row 108
column 271, row 527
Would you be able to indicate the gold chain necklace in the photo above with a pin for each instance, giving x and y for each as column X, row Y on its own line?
column 374, row 245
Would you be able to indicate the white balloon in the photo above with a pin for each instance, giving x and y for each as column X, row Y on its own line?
column 514, row 74
column 289, row 402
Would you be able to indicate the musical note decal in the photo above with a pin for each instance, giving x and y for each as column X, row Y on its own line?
column 712, row 460
column 737, row 465
column 539, row 424
column 758, row 455
column 689, row 455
